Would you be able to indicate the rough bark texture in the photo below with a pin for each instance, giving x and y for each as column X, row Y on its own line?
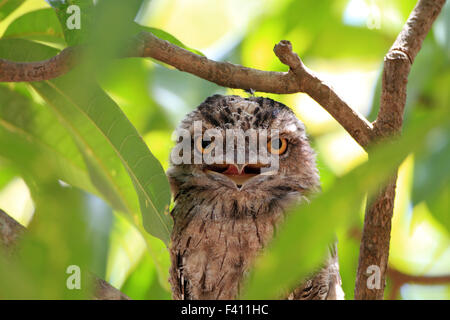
column 41, row 70
column 105, row 291
column 10, row 233
column 374, row 249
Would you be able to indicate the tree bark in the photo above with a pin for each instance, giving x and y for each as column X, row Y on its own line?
column 374, row 248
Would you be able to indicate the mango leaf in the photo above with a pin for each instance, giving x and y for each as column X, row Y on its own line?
column 160, row 256
column 73, row 35
column 302, row 242
column 108, row 141
column 41, row 25
column 114, row 15
column 36, row 125
column 21, row 50
column 106, row 136
column 142, row 284
column 431, row 177
column 7, row 173
column 439, row 205
column 8, row 6
column 127, row 81
column 165, row 36
column 105, row 169
column 57, row 230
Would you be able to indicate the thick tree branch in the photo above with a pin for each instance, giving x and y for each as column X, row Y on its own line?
column 374, row 249
column 56, row 66
column 10, row 233
column 298, row 79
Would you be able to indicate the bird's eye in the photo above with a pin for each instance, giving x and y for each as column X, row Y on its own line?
column 277, row 146
column 204, row 146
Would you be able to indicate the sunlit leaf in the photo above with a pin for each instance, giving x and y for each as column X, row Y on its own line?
column 8, row 6
column 90, row 115
column 101, row 128
column 127, row 82
column 57, row 230
column 41, row 25
column 143, row 284
column 74, row 36
column 165, row 36
column 35, row 124
column 432, row 174
column 22, row 50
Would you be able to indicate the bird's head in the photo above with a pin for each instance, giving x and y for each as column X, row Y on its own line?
column 242, row 148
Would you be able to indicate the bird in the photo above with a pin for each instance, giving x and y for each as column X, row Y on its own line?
column 225, row 214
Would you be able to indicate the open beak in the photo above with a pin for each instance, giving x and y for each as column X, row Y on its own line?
column 238, row 173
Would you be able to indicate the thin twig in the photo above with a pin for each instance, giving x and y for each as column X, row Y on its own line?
column 355, row 124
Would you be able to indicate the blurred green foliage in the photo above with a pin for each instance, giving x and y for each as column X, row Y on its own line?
column 92, row 145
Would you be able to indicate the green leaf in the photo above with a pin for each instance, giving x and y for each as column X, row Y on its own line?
column 115, row 16
column 166, row 36
column 105, row 169
column 8, row 6
column 302, row 242
column 36, row 125
column 127, row 81
column 431, row 176
column 21, row 50
column 7, row 173
column 56, row 238
column 126, row 238
column 74, row 36
column 41, row 25
column 106, row 137
column 142, row 284
column 439, row 206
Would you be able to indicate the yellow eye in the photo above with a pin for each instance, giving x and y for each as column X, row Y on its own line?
column 204, row 146
column 277, row 146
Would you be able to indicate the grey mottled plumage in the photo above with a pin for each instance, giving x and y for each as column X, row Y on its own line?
column 219, row 228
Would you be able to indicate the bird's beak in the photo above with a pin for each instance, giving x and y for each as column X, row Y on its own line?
column 238, row 173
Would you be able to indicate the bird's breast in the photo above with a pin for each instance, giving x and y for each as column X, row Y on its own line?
column 210, row 255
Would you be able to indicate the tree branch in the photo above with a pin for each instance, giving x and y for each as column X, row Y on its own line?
column 10, row 233
column 399, row 278
column 374, row 248
column 355, row 124
column 298, row 79
column 54, row 67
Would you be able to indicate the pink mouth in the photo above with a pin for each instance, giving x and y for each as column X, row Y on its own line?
column 231, row 171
